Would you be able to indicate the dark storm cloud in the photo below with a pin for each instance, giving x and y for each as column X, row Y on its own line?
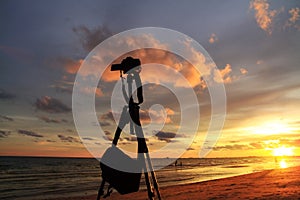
column 166, row 136
column 69, row 139
column 4, row 134
column 51, row 105
column 6, row 95
column 190, row 149
column 30, row 133
column 90, row 38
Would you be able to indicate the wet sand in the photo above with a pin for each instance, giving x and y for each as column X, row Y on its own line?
column 269, row 184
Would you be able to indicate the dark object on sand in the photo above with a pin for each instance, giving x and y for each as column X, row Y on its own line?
column 123, row 182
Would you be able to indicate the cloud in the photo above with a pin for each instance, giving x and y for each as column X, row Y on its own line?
column 131, row 139
column 63, row 87
column 156, row 116
column 146, row 116
column 90, row 38
column 90, row 90
column 6, row 95
column 257, row 145
column 155, row 55
column 69, row 139
column 232, row 147
column 213, row 38
column 294, row 12
column 295, row 15
column 4, row 134
column 70, row 66
column 243, row 71
column 107, row 116
column 51, row 105
column 88, row 138
column 51, row 141
column 108, row 136
column 264, row 17
column 6, row 118
column 190, row 149
column 49, row 120
column 225, row 74
column 228, row 76
column 165, row 136
column 105, row 123
column 30, row 133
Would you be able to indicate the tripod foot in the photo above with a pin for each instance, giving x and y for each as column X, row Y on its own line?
column 108, row 192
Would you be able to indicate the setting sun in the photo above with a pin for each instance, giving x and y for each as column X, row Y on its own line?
column 283, row 151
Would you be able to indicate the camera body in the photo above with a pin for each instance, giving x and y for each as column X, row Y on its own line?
column 126, row 65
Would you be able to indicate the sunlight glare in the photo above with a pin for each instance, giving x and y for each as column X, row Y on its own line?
column 271, row 128
column 283, row 151
column 283, row 164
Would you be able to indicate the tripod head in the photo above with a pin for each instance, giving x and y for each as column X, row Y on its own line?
column 131, row 67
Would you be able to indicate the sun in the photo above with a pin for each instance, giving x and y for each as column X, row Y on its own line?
column 283, row 151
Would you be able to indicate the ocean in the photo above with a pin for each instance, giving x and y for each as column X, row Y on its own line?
column 46, row 178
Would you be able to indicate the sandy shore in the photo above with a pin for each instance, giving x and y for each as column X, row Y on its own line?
column 270, row 184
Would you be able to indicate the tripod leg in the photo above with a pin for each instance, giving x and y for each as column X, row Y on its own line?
column 124, row 119
column 155, row 184
column 147, row 180
column 117, row 135
column 101, row 190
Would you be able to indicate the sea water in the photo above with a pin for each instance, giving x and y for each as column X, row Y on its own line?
column 46, row 178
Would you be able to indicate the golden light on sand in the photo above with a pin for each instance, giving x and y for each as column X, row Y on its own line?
column 283, row 151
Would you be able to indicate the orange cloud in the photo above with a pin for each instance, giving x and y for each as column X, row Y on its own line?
column 162, row 57
column 154, row 55
column 90, row 90
column 225, row 74
column 243, row 71
column 155, row 116
column 294, row 12
column 71, row 66
column 263, row 15
column 213, row 38
column 292, row 21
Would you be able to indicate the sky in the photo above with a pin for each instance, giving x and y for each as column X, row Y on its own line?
column 255, row 45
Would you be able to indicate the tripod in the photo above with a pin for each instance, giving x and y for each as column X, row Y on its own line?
column 130, row 114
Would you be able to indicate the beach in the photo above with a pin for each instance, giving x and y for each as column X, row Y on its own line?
column 268, row 184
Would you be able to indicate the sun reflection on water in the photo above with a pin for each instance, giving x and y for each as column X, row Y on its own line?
column 283, row 164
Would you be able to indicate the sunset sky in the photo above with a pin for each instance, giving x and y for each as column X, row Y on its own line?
column 255, row 44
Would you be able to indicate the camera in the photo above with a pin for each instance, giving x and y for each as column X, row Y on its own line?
column 126, row 65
